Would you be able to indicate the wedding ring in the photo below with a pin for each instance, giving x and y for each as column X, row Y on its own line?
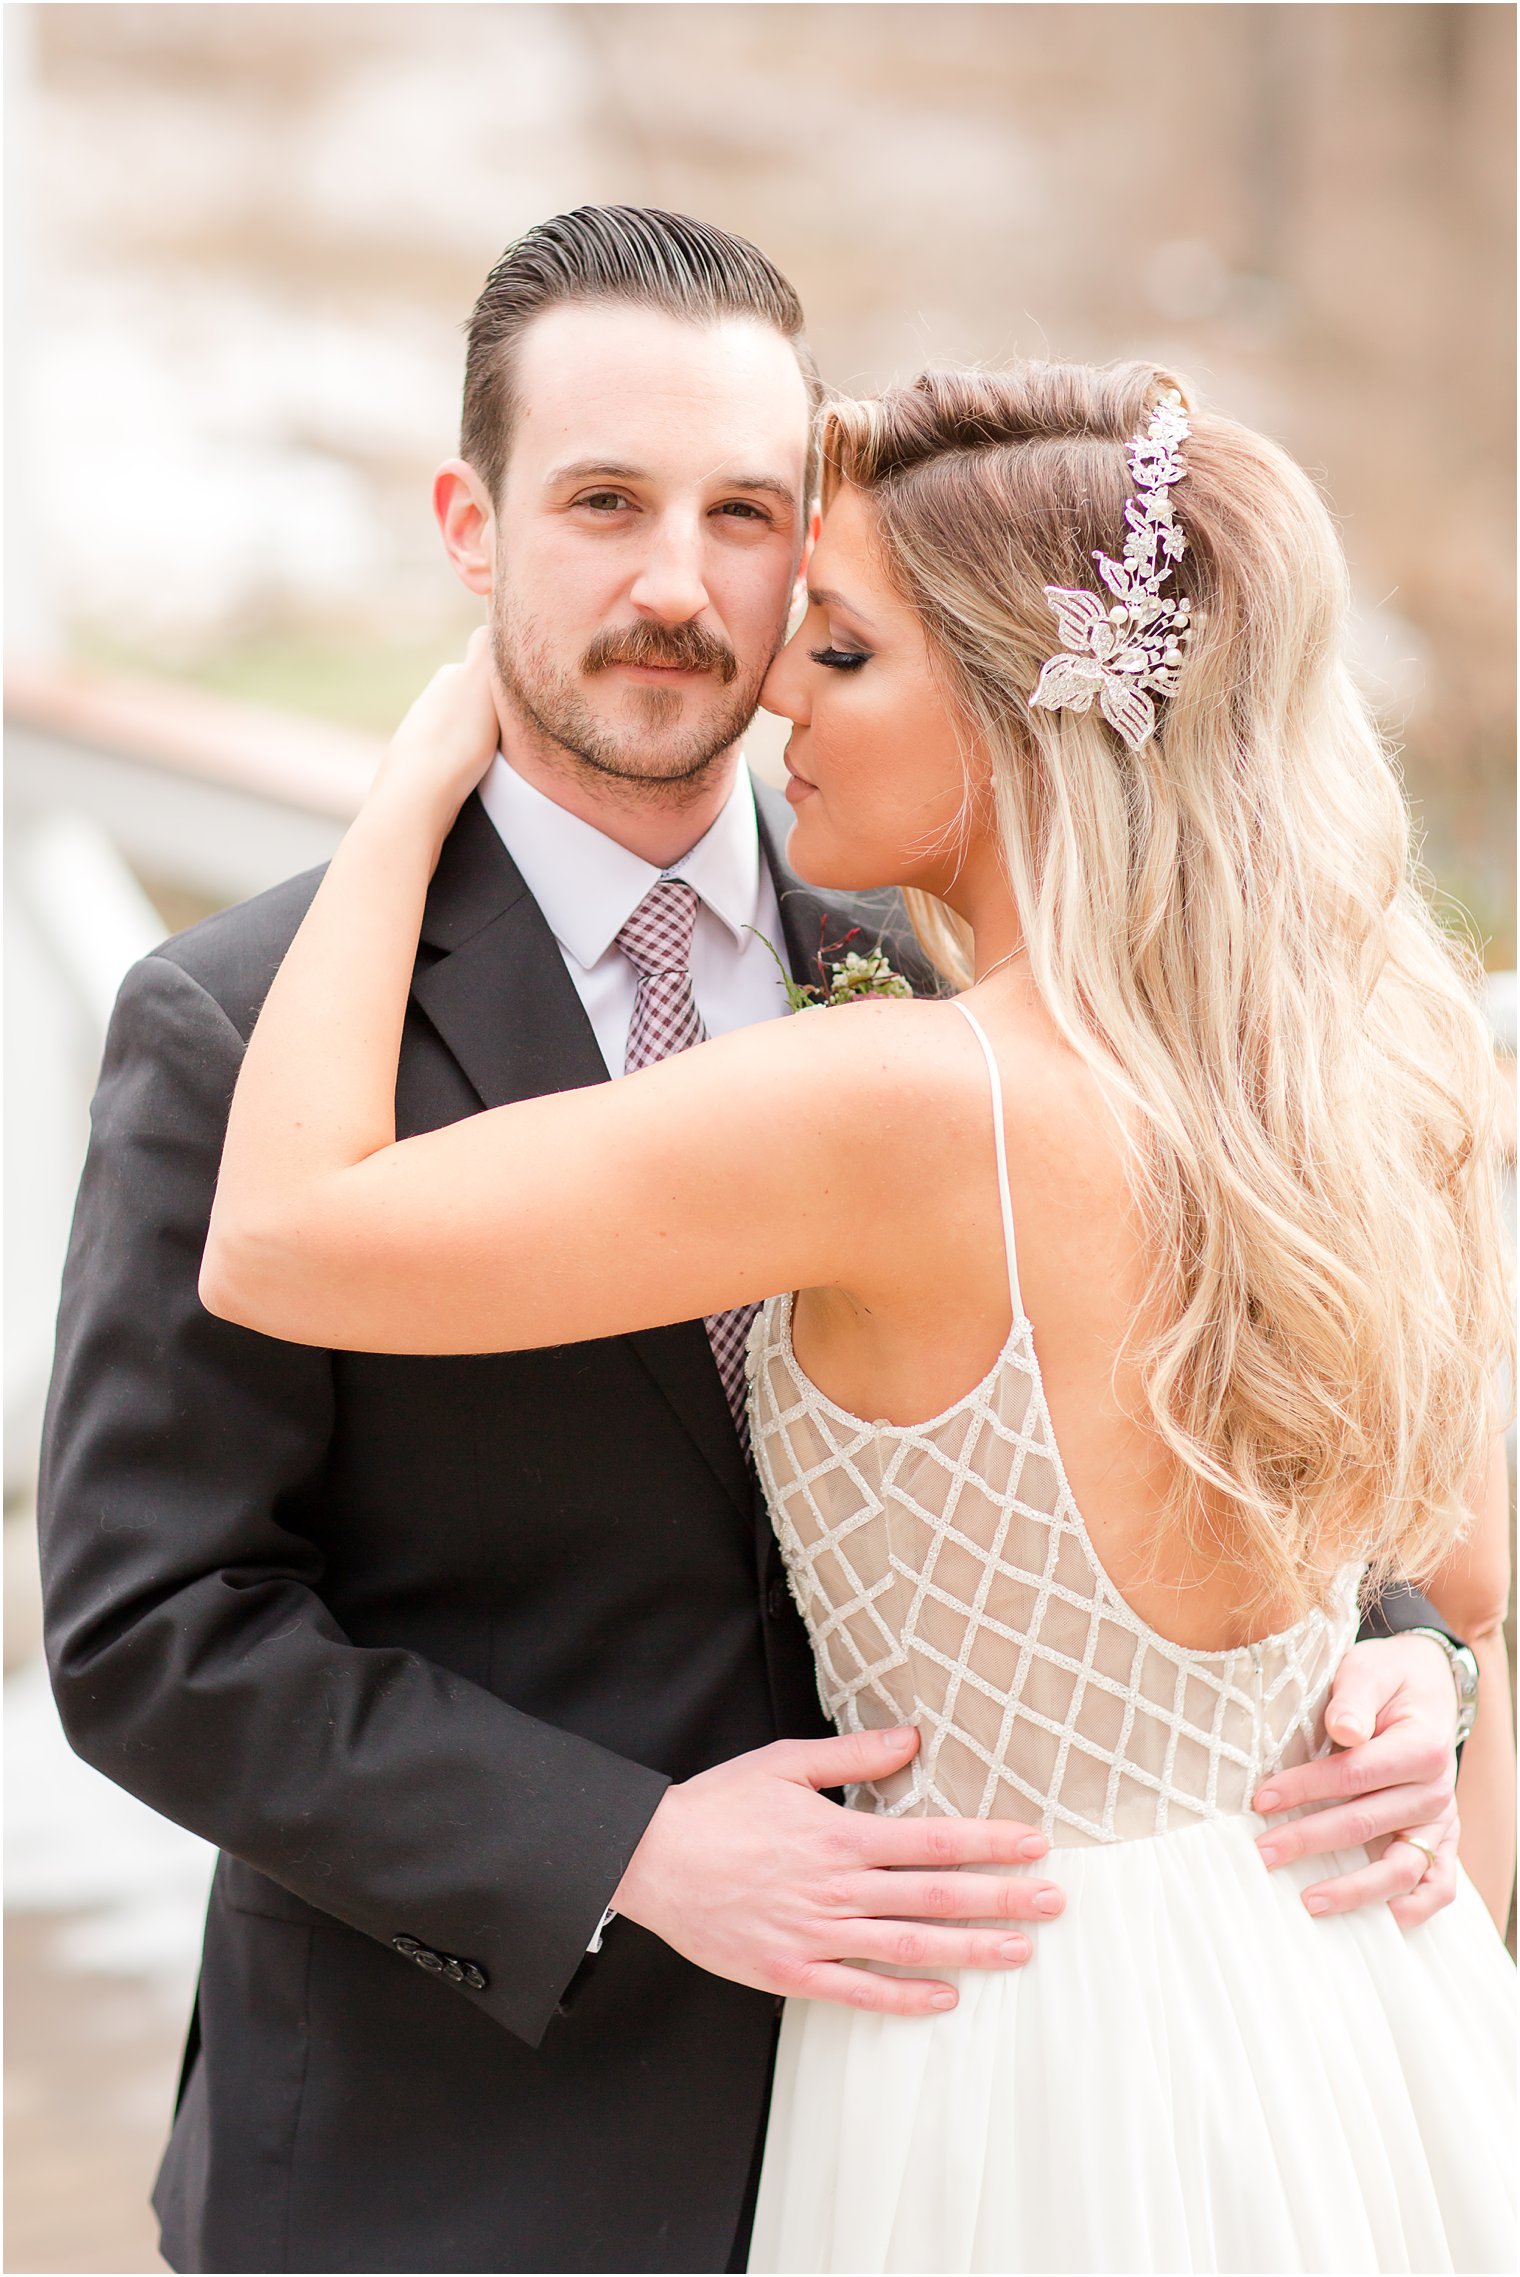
column 1424, row 1846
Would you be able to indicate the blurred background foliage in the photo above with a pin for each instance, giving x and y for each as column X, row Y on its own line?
column 251, row 235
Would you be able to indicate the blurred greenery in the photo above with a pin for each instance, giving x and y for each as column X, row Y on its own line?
column 352, row 679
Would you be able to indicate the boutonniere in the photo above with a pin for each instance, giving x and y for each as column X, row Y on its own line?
column 844, row 981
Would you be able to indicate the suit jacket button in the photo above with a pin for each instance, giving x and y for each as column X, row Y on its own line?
column 407, row 1945
column 475, row 1978
column 452, row 1970
column 426, row 1959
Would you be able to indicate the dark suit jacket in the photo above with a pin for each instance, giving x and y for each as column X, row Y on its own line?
column 419, row 1644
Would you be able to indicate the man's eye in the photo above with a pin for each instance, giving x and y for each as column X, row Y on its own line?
column 742, row 511
column 603, row 500
column 840, row 659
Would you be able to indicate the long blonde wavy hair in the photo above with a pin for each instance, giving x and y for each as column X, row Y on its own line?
column 1229, row 926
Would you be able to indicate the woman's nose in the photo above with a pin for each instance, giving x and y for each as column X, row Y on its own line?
column 785, row 689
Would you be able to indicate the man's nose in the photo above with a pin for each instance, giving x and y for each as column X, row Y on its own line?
column 670, row 584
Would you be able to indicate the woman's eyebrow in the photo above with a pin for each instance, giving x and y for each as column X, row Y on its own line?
column 822, row 597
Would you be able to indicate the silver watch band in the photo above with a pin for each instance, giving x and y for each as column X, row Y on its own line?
column 1464, row 1674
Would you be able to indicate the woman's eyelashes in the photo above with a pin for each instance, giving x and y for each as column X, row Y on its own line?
column 840, row 659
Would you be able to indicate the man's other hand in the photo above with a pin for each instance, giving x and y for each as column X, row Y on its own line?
column 752, row 1874
column 1393, row 1714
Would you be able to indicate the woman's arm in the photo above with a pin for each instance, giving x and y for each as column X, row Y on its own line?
column 722, row 1175
column 1471, row 1591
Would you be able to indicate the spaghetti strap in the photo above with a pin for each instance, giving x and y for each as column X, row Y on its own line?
column 1010, row 1251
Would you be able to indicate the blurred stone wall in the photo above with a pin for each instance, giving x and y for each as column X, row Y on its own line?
column 254, row 232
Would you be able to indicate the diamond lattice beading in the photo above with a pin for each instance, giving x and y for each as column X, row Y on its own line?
column 947, row 1581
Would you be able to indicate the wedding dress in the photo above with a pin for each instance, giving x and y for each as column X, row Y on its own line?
column 1192, row 2073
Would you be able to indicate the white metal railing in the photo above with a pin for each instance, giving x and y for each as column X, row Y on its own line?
column 87, row 905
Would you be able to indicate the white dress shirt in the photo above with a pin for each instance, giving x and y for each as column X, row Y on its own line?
column 588, row 887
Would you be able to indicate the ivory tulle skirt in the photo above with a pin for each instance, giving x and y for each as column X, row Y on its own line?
column 1191, row 2074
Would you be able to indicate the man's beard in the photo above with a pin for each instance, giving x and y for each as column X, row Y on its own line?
column 653, row 757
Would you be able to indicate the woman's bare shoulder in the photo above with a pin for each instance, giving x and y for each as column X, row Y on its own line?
column 884, row 1069
column 885, row 1049
column 922, row 1051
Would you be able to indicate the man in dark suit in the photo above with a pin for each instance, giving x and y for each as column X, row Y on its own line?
column 454, row 1658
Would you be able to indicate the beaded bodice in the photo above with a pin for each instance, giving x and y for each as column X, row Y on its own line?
column 947, row 1581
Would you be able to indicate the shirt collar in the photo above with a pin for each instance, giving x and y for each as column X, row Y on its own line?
column 588, row 886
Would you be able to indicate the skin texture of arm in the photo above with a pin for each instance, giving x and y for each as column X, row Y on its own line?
column 1486, row 1781
column 1472, row 1591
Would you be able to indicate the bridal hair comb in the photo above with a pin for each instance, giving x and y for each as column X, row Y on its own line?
column 1129, row 653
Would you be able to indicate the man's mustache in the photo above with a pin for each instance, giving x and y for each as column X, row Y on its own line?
column 686, row 648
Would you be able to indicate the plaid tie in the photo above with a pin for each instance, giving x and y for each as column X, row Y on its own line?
column 657, row 943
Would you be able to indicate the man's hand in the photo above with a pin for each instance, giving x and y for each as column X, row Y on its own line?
column 1393, row 1714
column 748, row 1871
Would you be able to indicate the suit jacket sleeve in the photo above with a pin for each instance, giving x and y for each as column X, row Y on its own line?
column 193, row 1658
column 1399, row 1609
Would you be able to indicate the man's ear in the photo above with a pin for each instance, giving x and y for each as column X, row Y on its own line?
column 467, row 520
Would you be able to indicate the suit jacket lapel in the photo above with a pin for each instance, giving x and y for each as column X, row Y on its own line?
column 497, row 990
column 499, row 996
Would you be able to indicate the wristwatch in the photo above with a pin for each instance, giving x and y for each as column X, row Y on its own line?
column 1464, row 1672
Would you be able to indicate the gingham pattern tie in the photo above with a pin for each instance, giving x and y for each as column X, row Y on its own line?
column 657, row 943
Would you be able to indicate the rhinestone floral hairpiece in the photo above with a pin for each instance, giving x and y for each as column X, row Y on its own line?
column 1129, row 653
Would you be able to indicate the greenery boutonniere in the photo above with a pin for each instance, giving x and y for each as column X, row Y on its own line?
column 845, row 981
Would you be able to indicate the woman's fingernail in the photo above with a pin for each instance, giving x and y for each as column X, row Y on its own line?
column 1267, row 1800
column 1354, row 1727
column 1033, row 1846
column 1048, row 1901
column 942, row 2000
column 1268, row 1853
column 1316, row 1905
column 1015, row 1948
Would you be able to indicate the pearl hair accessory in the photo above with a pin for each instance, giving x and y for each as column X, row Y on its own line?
column 1129, row 653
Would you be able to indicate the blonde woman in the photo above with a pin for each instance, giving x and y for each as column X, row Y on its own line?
column 1147, row 1302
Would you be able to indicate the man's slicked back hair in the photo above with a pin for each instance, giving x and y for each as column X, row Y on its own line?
column 635, row 254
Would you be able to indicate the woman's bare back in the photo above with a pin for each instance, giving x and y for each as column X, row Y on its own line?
column 936, row 1315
